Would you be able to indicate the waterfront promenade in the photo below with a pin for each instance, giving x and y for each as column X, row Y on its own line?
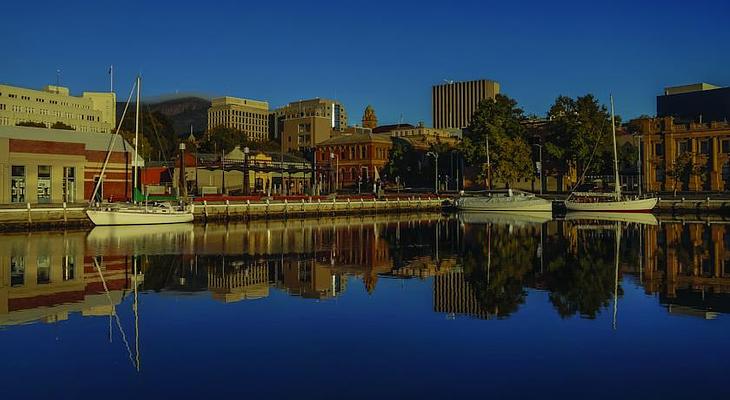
column 238, row 208
column 223, row 208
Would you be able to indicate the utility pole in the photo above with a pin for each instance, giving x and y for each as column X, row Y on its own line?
column 541, row 169
column 489, row 164
column 436, row 177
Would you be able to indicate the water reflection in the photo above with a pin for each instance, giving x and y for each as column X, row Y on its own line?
column 478, row 265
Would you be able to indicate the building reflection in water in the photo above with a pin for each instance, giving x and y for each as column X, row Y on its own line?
column 481, row 268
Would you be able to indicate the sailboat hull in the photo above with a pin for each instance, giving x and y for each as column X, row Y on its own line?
column 638, row 205
column 137, row 217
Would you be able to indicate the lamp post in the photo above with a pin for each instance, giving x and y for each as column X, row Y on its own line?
column 639, row 168
column 245, row 171
column 489, row 164
column 334, row 157
column 436, row 178
column 314, row 172
column 541, row 169
column 183, row 183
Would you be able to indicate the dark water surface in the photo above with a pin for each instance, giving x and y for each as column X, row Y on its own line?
column 410, row 306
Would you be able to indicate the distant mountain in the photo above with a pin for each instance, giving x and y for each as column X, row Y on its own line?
column 181, row 111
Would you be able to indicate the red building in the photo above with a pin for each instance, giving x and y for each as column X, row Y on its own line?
column 348, row 159
column 41, row 165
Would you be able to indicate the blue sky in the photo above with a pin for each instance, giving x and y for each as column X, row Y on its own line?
column 384, row 53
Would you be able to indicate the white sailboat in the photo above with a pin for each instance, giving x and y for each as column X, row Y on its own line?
column 609, row 202
column 133, row 213
column 503, row 200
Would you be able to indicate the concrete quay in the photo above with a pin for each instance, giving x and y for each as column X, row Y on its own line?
column 42, row 216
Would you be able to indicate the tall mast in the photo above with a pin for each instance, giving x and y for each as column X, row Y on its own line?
column 615, row 152
column 136, row 138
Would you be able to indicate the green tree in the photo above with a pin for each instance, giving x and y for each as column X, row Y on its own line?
column 500, row 122
column 579, row 134
column 144, row 148
column 683, row 169
column 221, row 139
column 628, row 156
column 31, row 124
column 61, row 125
column 158, row 131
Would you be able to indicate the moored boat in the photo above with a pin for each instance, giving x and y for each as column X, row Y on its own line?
column 134, row 213
column 614, row 201
column 503, row 200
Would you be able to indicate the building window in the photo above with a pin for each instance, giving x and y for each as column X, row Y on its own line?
column 726, row 146
column 659, row 149
column 17, row 270
column 69, row 268
column 69, row 184
column 683, row 146
column 705, row 146
column 17, row 184
column 44, row 269
column 44, row 183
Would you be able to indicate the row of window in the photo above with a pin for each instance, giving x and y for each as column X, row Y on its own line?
column 685, row 146
column 43, row 269
column 41, row 100
column 56, row 113
column 44, row 184
column 354, row 153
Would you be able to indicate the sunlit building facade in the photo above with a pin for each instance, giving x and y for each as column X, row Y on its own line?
column 454, row 103
column 90, row 112
column 250, row 117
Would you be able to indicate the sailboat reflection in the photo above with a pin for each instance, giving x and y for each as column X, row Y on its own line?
column 505, row 217
column 135, row 359
column 637, row 218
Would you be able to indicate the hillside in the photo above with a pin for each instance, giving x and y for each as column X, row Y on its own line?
column 181, row 112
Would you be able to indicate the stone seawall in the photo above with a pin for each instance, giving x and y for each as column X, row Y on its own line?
column 38, row 216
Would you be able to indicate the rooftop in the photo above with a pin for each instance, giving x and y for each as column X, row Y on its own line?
column 357, row 138
column 93, row 141
column 694, row 87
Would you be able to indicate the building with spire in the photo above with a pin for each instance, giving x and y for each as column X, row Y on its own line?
column 369, row 119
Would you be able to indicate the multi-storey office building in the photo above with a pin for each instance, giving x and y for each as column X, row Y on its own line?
column 453, row 103
column 91, row 112
column 305, row 123
column 698, row 102
column 251, row 117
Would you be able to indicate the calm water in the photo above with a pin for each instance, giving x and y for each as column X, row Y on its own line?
column 427, row 306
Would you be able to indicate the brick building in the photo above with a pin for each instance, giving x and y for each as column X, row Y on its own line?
column 346, row 160
column 39, row 165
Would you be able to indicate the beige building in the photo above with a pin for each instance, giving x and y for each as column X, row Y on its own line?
column 305, row 123
column 91, row 112
column 453, row 104
column 425, row 135
column 40, row 165
column 251, row 117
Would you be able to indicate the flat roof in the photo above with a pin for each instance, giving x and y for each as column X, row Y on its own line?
column 93, row 141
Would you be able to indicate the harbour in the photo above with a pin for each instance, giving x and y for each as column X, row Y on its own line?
column 170, row 300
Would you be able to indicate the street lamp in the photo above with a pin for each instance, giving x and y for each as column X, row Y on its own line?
column 541, row 169
column 334, row 157
column 436, row 178
column 639, row 166
column 245, row 171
